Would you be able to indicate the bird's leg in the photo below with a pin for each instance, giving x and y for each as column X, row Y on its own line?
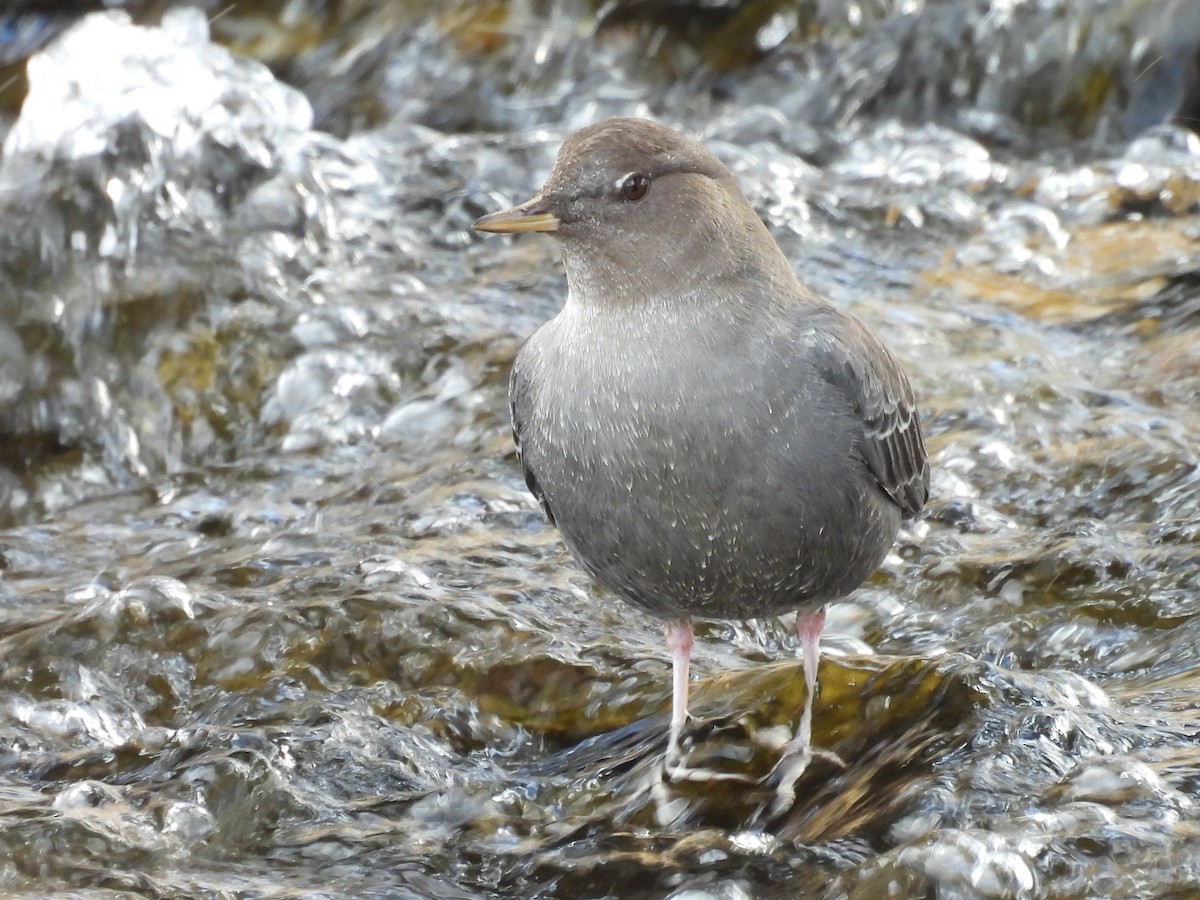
column 808, row 629
column 799, row 752
column 679, row 639
column 667, row 808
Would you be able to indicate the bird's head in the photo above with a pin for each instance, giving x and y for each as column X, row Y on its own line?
column 639, row 210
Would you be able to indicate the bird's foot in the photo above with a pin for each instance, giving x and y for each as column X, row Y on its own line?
column 793, row 763
column 672, row 769
column 677, row 770
column 674, row 764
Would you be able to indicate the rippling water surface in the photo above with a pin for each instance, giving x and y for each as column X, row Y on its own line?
column 277, row 614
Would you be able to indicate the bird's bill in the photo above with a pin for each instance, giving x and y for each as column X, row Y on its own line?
column 529, row 216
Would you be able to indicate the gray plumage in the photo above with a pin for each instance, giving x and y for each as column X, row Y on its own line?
column 708, row 445
column 710, row 437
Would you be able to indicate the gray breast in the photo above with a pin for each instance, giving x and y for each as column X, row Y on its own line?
column 719, row 475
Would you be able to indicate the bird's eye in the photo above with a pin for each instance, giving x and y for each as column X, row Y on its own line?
column 635, row 186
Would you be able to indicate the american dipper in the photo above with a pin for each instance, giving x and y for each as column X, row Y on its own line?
column 711, row 438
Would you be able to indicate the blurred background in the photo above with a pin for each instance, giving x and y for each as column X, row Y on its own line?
column 277, row 615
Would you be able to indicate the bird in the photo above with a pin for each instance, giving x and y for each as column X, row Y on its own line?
column 711, row 438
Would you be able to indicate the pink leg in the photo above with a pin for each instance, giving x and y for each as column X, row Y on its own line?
column 679, row 639
column 808, row 629
column 796, row 756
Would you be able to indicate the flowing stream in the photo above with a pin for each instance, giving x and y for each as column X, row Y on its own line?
column 278, row 617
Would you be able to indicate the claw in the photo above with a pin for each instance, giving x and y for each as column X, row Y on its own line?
column 793, row 763
column 673, row 769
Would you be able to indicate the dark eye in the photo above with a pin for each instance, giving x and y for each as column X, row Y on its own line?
column 634, row 187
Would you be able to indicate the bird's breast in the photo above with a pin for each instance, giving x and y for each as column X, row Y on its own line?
column 685, row 472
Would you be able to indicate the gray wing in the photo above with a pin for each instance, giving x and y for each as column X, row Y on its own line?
column 517, row 391
column 858, row 364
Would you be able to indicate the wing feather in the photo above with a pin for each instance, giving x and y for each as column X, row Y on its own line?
column 892, row 445
column 517, row 392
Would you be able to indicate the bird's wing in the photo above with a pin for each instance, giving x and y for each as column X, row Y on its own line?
column 892, row 446
column 518, row 389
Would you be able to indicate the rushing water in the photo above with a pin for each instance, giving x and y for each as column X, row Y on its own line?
column 279, row 618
